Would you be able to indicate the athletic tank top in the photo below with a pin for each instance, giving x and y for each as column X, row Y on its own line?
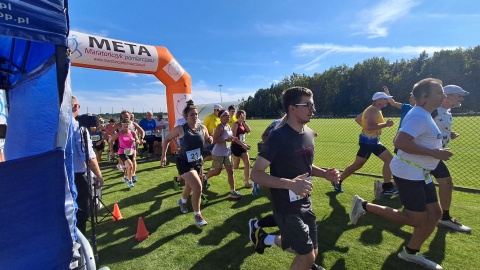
column 223, row 149
column 192, row 143
column 126, row 145
column 241, row 132
column 370, row 136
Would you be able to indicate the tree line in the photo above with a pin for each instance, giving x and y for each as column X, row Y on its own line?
column 343, row 91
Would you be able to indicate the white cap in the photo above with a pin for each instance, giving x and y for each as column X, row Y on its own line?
column 217, row 107
column 453, row 89
column 378, row 95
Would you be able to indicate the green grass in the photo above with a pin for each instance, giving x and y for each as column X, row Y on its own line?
column 176, row 243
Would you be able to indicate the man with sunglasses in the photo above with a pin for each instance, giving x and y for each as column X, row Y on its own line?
column 372, row 122
column 80, row 169
column 290, row 180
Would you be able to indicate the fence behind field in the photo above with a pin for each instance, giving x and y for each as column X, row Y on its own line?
column 337, row 145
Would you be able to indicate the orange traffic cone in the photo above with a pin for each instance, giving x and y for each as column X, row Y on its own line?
column 116, row 213
column 142, row 232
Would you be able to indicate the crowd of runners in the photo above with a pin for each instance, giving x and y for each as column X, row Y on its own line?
column 288, row 149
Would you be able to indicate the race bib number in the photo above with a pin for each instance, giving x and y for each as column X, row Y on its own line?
column 128, row 151
column 148, row 132
column 95, row 138
column 241, row 137
column 295, row 197
column 193, row 155
column 427, row 176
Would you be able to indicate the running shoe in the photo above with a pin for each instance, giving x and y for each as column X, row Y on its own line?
column 134, row 178
column 337, row 187
column 418, row 258
column 119, row 167
column 260, row 236
column 255, row 189
column 199, row 220
column 251, row 230
column 235, row 195
column 453, row 224
column 356, row 209
column 317, row 267
column 183, row 206
column 390, row 192
column 130, row 184
column 125, row 179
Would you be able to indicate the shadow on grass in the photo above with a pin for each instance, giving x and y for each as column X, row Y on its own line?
column 222, row 257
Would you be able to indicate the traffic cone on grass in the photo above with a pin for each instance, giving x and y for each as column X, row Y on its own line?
column 116, row 213
column 142, row 232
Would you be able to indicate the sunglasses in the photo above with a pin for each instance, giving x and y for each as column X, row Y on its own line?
column 309, row 105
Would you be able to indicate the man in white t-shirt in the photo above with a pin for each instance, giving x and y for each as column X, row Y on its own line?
column 443, row 118
column 419, row 143
column 160, row 125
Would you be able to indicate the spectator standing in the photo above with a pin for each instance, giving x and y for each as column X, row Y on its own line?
column 80, row 169
column 148, row 124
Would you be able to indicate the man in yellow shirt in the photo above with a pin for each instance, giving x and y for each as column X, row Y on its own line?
column 211, row 121
column 372, row 122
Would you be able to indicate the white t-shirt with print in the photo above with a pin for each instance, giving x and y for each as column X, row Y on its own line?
column 419, row 124
column 443, row 118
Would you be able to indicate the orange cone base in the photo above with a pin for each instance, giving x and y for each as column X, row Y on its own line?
column 116, row 213
column 142, row 232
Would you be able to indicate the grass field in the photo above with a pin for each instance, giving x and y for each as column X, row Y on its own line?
column 176, row 243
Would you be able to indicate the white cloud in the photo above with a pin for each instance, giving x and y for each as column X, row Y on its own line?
column 321, row 51
column 283, row 29
column 374, row 22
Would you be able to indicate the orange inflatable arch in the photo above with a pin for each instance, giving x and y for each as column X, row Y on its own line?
column 97, row 52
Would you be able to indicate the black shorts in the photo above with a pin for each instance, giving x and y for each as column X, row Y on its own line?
column 185, row 166
column 441, row 171
column 98, row 147
column 366, row 150
column 148, row 145
column 237, row 150
column 158, row 139
column 415, row 195
column 299, row 231
column 115, row 146
column 124, row 157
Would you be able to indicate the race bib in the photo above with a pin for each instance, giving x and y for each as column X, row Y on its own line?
column 193, row 155
column 148, row 132
column 241, row 137
column 295, row 197
column 427, row 176
column 158, row 134
column 128, row 151
column 95, row 138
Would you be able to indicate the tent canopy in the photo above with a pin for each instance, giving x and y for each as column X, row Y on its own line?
column 33, row 72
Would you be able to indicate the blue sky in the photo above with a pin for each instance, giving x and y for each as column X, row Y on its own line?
column 248, row 45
